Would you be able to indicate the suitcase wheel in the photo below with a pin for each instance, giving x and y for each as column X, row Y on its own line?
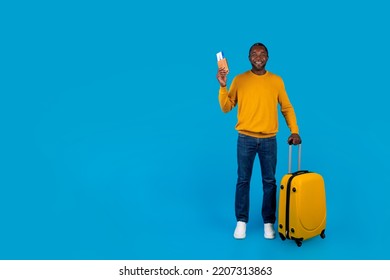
column 299, row 243
column 322, row 234
column 282, row 236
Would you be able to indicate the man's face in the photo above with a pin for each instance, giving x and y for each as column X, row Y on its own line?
column 258, row 57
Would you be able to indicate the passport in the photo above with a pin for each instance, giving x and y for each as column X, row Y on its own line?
column 222, row 62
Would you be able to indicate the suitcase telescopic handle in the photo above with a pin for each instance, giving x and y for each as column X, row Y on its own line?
column 290, row 157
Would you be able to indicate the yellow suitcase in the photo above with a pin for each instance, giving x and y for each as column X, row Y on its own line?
column 302, row 204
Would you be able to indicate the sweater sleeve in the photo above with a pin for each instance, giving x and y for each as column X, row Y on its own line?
column 287, row 110
column 228, row 98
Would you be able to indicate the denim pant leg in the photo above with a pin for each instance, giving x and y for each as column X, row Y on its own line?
column 268, row 158
column 246, row 153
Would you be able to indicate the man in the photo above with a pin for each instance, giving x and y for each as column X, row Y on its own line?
column 257, row 94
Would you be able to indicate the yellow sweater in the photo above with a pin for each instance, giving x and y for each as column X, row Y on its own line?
column 258, row 97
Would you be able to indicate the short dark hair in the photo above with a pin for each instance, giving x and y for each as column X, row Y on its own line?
column 258, row 44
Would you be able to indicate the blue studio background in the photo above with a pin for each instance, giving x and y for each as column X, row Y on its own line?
column 113, row 145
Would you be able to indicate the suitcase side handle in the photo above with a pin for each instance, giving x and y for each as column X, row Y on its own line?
column 290, row 157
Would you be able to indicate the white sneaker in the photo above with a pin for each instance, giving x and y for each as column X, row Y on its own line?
column 239, row 232
column 269, row 232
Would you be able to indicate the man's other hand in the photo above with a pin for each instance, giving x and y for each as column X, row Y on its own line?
column 294, row 139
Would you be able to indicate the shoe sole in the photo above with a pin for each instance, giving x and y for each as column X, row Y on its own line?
column 239, row 237
column 269, row 236
column 242, row 238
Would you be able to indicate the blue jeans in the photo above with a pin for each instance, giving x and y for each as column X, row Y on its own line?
column 266, row 149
